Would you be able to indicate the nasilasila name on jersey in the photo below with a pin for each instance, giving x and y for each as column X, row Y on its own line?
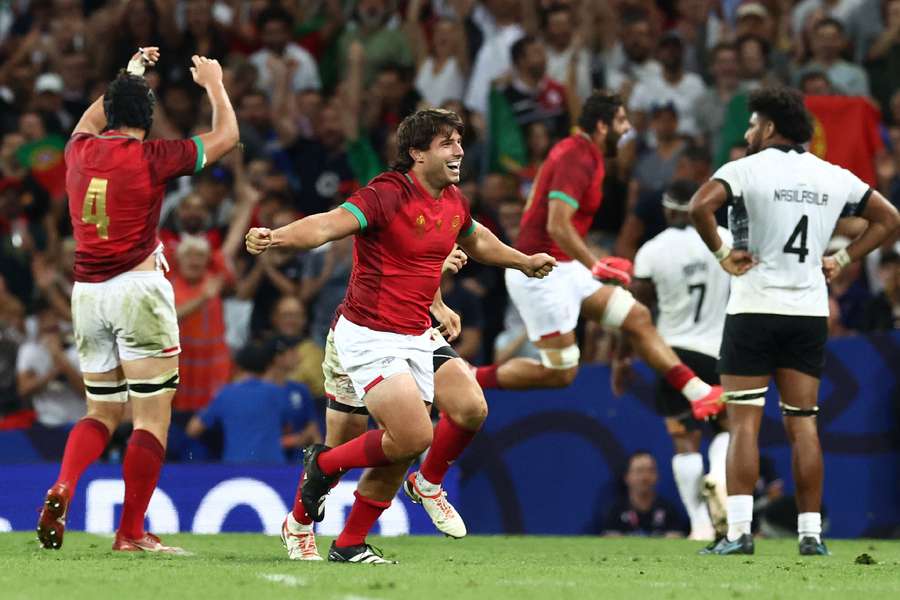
column 801, row 196
column 694, row 267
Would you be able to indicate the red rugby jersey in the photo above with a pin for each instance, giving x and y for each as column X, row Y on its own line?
column 116, row 185
column 398, row 253
column 573, row 173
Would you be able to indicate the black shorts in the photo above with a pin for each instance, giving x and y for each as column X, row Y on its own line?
column 758, row 344
column 441, row 355
column 670, row 402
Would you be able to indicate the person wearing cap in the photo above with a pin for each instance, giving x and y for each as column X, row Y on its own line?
column 682, row 89
column 690, row 291
column 253, row 413
column 48, row 100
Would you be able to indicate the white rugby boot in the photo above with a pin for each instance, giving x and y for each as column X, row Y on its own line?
column 299, row 540
column 435, row 503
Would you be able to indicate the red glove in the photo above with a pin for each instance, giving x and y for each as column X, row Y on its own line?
column 709, row 406
column 614, row 270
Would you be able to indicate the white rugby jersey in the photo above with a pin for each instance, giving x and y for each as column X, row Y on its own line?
column 783, row 206
column 691, row 288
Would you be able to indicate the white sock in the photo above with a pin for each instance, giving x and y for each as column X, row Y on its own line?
column 809, row 524
column 740, row 515
column 718, row 452
column 295, row 526
column 695, row 389
column 425, row 486
column 688, row 471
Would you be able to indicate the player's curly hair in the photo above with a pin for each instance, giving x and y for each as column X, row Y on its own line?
column 784, row 107
column 129, row 102
column 600, row 106
column 419, row 129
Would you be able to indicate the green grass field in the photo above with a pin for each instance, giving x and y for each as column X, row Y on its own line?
column 254, row 567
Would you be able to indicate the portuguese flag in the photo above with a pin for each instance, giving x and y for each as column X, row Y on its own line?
column 507, row 143
column 846, row 133
column 44, row 158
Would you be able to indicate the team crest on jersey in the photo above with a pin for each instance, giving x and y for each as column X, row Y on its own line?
column 420, row 224
column 455, row 222
column 438, row 223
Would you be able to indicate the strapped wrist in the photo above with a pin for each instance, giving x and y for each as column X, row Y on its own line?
column 842, row 258
column 723, row 252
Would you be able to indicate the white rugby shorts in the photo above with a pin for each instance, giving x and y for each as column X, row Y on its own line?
column 129, row 317
column 551, row 306
column 368, row 357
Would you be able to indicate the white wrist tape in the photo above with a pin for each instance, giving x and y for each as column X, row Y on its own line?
column 137, row 67
column 723, row 252
column 842, row 258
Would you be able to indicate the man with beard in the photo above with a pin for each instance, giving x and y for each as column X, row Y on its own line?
column 560, row 209
column 784, row 204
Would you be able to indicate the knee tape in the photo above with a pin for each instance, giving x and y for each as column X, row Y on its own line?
column 562, row 358
column 755, row 397
column 792, row 411
column 144, row 388
column 617, row 308
column 106, row 391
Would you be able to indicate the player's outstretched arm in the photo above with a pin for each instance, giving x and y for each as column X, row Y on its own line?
column 883, row 223
column 561, row 230
column 207, row 73
column 711, row 196
column 483, row 246
column 94, row 118
column 303, row 234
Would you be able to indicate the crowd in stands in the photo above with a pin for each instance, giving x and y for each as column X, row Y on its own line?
column 319, row 87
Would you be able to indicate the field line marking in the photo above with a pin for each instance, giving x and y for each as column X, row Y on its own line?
column 288, row 580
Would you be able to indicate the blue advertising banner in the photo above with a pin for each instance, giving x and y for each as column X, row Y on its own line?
column 199, row 498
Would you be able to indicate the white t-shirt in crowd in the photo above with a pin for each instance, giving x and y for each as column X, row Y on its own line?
column 438, row 87
column 57, row 404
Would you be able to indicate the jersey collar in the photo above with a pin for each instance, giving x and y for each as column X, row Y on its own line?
column 788, row 148
column 411, row 177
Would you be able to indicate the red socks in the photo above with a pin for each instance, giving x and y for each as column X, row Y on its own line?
column 143, row 461
column 449, row 442
column 363, row 451
column 363, row 515
column 299, row 511
column 679, row 375
column 487, row 377
column 683, row 379
column 86, row 443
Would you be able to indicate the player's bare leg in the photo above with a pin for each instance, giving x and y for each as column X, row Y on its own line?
column 297, row 533
column 527, row 373
column 86, row 443
column 799, row 395
column 463, row 411
column 151, row 383
column 616, row 309
column 745, row 402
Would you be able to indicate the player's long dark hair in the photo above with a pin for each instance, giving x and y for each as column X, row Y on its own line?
column 784, row 107
column 419, row 129
column 600, row 106
column 129, row 102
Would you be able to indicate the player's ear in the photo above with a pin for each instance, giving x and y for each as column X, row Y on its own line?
column 417, row 155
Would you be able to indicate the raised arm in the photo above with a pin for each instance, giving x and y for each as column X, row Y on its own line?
column 207, row 73
column 483, row 246
column 304, row 234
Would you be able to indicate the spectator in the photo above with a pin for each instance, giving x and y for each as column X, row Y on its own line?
column 512, row 341
column 12, row 327
column 565, row 51
column 754, row 19
column 326, row 274
column 709, row 111
column 815, row 83
column 48, row 102
column 373, row 25
column 304, row 423
column 442, row 67
column 883, row 57
column 631, row 61
column 390, row 98
column 532, row 96
column 47, row 372
column 882, row 313
column 701, row 29
column 828, row 44
column 289, row 321
column 203, row 35
column 275, row 27
column 641, row 511
column 252, row 413
column 494, row 57
column 674, row 86
column 468, row 306
column 848, row 289
column 754, row 54
column 205, row 362
column 841, row 11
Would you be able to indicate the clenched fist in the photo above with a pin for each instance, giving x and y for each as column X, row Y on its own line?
column 258, row 240
column 539, row 265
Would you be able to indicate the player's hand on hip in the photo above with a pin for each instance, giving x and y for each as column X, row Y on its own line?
column 450, row 323
column 258, row 240
column 539, row 265
column 830, row 268
column 454, row 262
column 206, row 71
column 738, row 262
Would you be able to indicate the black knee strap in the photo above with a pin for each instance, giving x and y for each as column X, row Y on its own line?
column 792, row 411
column 346, row 408
column 442, row 355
